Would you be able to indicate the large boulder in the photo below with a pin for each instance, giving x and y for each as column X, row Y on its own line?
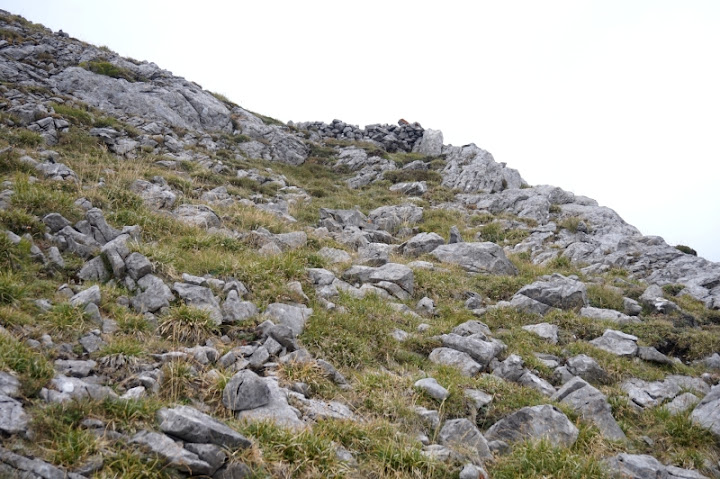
column 472, row 169
column 175, row 101
column 557, row 291
column 592, row 406
column 430, row 144
column 13, row 418
column 707, row 413
column 421, row 243
column 484, row 257
column 391, row 218
column 536, row 422
column 245, row 390
column 466, row 439
column 189, row 424
column 617, row 342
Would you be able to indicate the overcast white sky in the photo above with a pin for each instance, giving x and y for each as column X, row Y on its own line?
column 615, row 100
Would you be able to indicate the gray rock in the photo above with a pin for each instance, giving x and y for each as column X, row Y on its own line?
column 592, row 406
column 430, row 144
column 431, row 387
column 200, row 297
column 605, row 315
column 277, row 409
column 466, row 439
column 472, row 327
column 156, row 196
column 13, row 418
column 648, row 394
column 458, row 359
column 201, row 216
column 294, row 317
column 471, row 169
column 712, row 361
column 75, row 368
column 94, row 270
column 421, row 243
column 511, row 369
column 642, row 466
column 430, row 417
column 191, row 425
column 557, row 291
column 175, row 455
column 455, row 236
column 544, row 330
column 682, row 403
column 631, row 307
column 394, row 273
column 425, row 306
column 102, row 231
column 485, row 257
column 707, row 412
column 373, row 254
column 87, row 296
column 344, row 218
column 413, row 188
column 653, row 299
column 391, row 218
column 234, row 470
column 245, row 390
column 653, row 355
column 479, row 349
column 472, row 471
column 153, row 295
column 587, row 368
column 535, row 422
column 137, row 265
column 14, row 465
column 617, row 342
column 479, row 399
column 209, row 453
column 234, row 310
column 9, row 385
column 334, row 255
column 76, row 388
column 55, row 222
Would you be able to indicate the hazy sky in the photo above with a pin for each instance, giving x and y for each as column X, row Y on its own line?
column 615, row 100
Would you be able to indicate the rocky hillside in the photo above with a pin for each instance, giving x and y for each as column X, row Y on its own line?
column 188, row 288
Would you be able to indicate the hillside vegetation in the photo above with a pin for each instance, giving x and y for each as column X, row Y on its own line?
column 188, row 288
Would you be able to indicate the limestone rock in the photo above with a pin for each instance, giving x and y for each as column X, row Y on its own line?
column 431, row 387
column 707, row 412
column 535, row 422
column 458, row 359
column 592, row 406
column 544, row 330
column 245, row 390
column 486, row 257
column 465, row 439
column 13, row 418
column 175, row 455
column 617, row 342
column 189, row 424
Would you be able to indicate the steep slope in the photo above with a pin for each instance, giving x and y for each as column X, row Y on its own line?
column 190, row 288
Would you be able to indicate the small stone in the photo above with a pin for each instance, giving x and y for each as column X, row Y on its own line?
column 432, row 388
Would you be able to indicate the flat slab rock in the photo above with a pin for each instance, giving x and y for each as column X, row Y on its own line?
column 557, row 291
column 707, row 413
column 617, row 342
column 536, row 422
column 14, row 465
column 592, row 405
column 175, row 455
column 189, row 424
column 485, row 257
column 643, row 466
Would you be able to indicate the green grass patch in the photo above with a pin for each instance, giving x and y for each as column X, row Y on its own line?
column 33, row 369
